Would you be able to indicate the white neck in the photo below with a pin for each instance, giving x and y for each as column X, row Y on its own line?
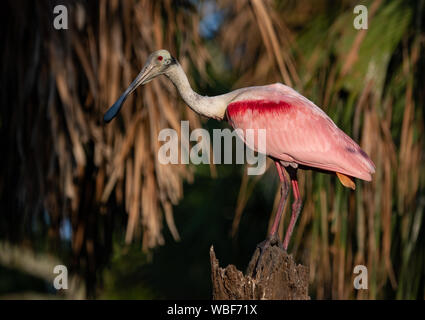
column 211, row 107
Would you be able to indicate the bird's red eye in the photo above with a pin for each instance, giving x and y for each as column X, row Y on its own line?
column 160, row 58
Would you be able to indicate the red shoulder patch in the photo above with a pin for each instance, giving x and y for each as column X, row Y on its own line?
column 256, row 107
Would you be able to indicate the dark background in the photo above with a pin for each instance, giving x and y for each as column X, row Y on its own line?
column 91, row 196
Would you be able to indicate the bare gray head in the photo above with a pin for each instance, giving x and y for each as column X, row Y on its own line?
column 161, row 62
column 158, row 63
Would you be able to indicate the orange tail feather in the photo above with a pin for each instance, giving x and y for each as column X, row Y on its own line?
column 346, row 181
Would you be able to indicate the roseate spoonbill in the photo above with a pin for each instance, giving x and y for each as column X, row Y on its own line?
column 298, row 133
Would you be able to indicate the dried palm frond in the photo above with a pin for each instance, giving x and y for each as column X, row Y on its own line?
column 63, row 162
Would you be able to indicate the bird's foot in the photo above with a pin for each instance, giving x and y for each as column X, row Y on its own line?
column 272, row 240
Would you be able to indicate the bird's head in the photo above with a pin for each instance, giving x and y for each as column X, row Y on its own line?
column 157, row 63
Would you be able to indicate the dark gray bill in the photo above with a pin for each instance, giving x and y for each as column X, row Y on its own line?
column 113, row 111
column 142, row 78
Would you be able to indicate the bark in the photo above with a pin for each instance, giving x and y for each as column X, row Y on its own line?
column 277, row 277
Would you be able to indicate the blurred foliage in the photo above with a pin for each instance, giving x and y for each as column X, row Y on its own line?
column 68, row 178
column 370, row 82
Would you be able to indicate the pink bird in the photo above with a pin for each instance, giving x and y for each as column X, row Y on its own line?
column 298, row 133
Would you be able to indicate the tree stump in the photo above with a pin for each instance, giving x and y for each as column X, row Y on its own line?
column 277, row 277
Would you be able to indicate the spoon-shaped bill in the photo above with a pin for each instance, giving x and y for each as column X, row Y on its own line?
column 114, row 109
column 143, row 77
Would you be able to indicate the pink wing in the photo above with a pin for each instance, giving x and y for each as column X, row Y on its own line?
column 297, row 131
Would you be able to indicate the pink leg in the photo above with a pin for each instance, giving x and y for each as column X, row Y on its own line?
column 283, row 195
column 273, row 238
column 296, row 208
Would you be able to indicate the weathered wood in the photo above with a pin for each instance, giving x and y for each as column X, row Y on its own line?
column 277, row 277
